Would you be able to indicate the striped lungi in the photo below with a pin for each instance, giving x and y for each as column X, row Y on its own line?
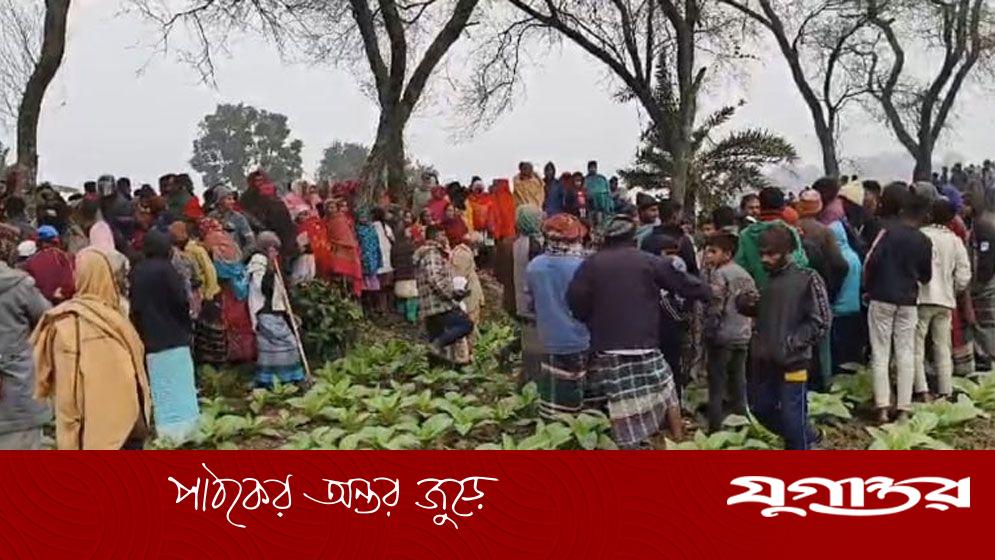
column 636, row 390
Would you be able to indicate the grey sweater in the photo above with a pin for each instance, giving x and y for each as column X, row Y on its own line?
column 724, row 324
column 21, row 305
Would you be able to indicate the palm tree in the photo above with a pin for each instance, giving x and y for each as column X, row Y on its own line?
column 717, row 169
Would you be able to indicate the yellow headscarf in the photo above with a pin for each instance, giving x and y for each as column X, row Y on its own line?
column 95, row 278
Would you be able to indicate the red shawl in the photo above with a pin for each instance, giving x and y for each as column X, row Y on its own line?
column 321, row 247
column 344, row 248
column 455, row 229
column 503, row 219
column 480, row 208
column 437, row 206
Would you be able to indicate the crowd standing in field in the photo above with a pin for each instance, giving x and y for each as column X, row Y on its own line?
column 110, row 298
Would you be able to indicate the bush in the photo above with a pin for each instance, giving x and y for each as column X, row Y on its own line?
column 329, row 320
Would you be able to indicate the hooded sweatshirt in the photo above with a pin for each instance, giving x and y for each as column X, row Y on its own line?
column 21, row 306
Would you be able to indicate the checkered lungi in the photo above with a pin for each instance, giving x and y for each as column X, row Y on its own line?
column 636, row 391
column 560, row 383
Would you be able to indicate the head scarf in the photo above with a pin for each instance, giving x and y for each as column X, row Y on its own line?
column 619, row 226
column 437, row 205
column 221, row 245
column 267, row 240
column 528, row 220
column 95, row 279
column 809, row 203
column 504, row 210
column 455, row 229
column 564, row 227
column 954, row 196
column 101, row 237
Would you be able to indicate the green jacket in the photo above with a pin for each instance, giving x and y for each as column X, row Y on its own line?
column 748, row 254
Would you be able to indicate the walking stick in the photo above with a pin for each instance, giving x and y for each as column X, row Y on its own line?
column 293, row 322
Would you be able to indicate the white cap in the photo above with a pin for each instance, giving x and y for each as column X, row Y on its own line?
column 26, row 249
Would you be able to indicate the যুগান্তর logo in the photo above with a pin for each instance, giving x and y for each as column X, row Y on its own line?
column 849, row 496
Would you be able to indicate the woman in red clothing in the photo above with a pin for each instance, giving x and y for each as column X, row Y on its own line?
column 344, row 247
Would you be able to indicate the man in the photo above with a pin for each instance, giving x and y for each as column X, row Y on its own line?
column 987, row 174
column 233, row 221
column 938, row 300
column 564, row 339
column 899, row 261
column 555, row 193
column 438, row 300
column 749, row 207
column 116, row 210
column 748, row 254
column 528, row 187
column 792, row 315
column 598, row 194
column 958, row 177
column 51, row 267
column 181, row 201
column 670, row 226
column 616, row 293
column 648, row 209
column 124, row 187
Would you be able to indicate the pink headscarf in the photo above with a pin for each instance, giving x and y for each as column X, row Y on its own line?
column 101, row 237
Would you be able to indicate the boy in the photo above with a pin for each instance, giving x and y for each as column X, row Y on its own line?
column 727, row 332
column 899, row 261
column 792, row 315
column 938, row 299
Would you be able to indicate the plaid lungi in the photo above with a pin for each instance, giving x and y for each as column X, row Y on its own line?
column 560, row 383
column 635, row 390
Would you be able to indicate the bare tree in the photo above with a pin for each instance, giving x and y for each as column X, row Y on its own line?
column 32, row 45
column 401, row 43
column 631, row 38
column 916, row 109
column 814, row 37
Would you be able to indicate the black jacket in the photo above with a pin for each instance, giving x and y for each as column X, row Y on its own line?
column 792, row 315
column 616, row 293
column 901, row 260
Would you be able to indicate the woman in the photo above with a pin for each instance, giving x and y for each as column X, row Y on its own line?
column 437, row 206
column 279, row 357
column 405, row 286
column 102, row 239
column 346, row 263
column 369, row 249
column 161, row 310
column 90, row 359
column 314, row 229
column 21, row 306
column 385, row 240
column 262, row 204
column 229, row 317
column 502, row 225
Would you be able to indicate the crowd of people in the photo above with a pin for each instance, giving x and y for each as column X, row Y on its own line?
column 110, row 298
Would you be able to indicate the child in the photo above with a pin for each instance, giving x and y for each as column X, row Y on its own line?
column 405, row 287
column 938, row 299
column 674, row 318
column 727, row 332
column 792, row 315
column 899, row 261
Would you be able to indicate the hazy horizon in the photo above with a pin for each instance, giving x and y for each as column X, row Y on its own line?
column 102, row 116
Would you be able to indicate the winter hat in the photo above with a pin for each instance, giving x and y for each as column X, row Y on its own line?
column 854, row 192
column 47, row 233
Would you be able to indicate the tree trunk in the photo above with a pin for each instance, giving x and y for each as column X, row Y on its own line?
column 830, row 163
column 53, row 48
column 924, row 163
column 384, row 169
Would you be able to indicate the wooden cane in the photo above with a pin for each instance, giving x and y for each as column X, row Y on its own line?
column 293, row 322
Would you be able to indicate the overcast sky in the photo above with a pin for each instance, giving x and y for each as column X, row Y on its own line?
column 102, row 116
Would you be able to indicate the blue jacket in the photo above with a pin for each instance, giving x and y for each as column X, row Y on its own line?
column 548, row 278
column 848, row 300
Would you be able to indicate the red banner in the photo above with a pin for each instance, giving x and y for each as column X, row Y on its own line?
column 457, row 504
